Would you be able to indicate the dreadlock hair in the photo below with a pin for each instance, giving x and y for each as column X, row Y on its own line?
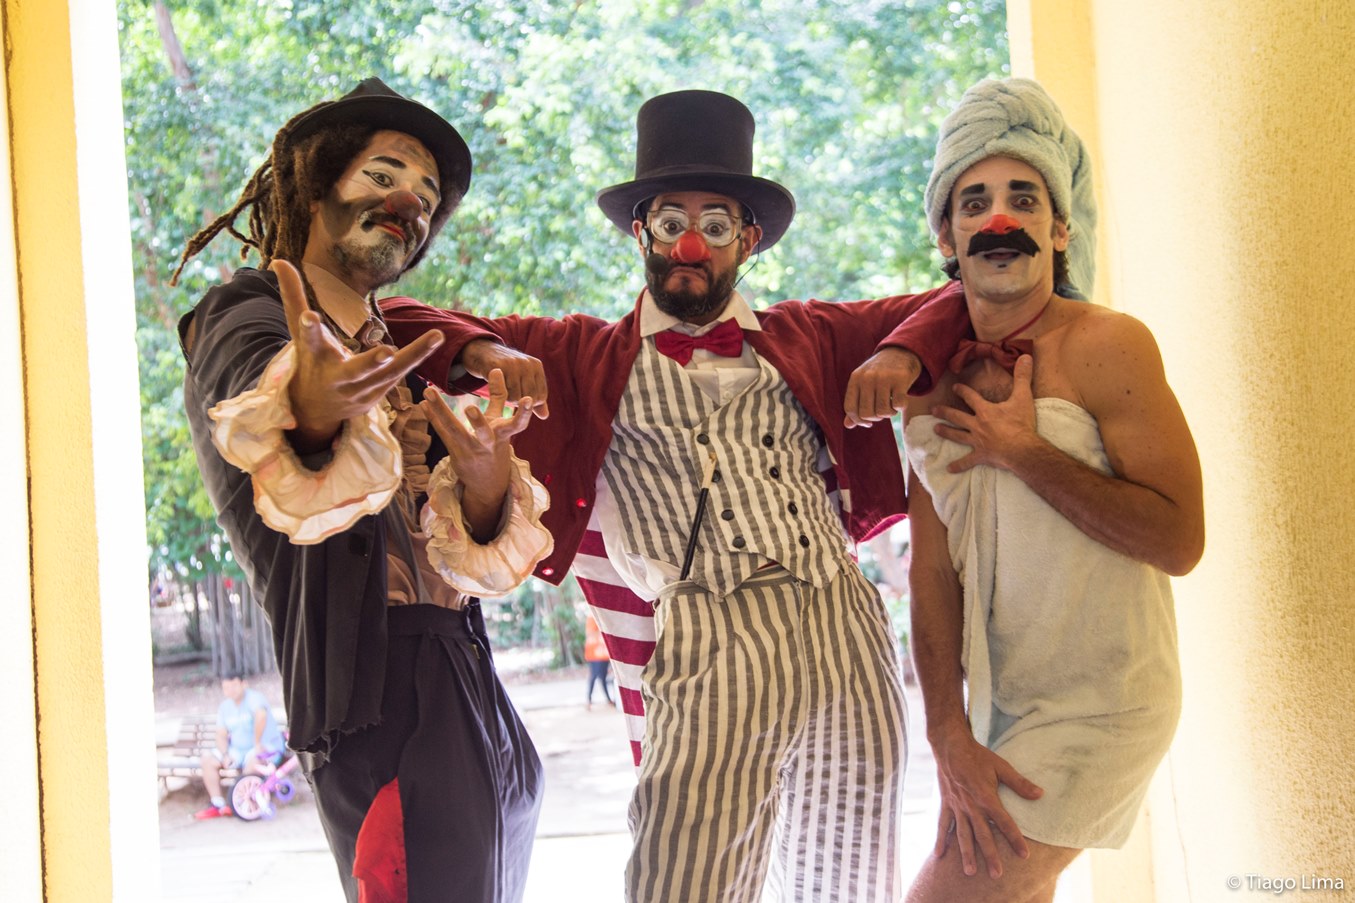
column 296, row 174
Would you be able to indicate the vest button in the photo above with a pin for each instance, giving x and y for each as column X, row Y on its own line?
column 804, row 541
column 768, row 441
column 793, row 508
column 739, row 542
column 727, row 514
column 775, row 473
column 715, row 476
column 703, row 438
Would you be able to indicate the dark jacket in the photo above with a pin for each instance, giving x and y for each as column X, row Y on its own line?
column 326, row 603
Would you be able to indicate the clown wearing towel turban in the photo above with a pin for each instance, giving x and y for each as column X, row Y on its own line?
column 1054, row 488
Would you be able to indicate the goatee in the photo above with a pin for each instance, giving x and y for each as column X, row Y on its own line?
column 382, row 263
column 686, row 304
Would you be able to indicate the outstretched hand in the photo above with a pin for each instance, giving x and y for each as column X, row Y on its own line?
column 969, row 774
column 479, row 448
column 523, row 376
column 996, row 431
column 879, row 387
column 330, row 385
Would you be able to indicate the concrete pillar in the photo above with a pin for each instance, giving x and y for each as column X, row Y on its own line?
column 89, row 659
column 1224, row 132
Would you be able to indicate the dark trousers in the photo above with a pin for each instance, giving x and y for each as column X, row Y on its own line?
column 597, row 673
column 469, row 777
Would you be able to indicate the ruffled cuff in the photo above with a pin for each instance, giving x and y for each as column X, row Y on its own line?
column 500, row 565
column 307, row 505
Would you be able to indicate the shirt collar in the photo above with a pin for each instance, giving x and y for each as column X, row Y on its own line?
column 345, row 307
column 653, row 320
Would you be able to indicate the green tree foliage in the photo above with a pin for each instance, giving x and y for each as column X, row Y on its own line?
column 847, row 95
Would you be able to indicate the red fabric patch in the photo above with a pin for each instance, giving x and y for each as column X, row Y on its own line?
column 380, row 862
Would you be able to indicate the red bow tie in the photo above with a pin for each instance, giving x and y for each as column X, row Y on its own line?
column 725, row 340
column 1003, row 353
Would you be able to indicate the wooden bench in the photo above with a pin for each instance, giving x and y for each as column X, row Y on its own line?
column 183, row 758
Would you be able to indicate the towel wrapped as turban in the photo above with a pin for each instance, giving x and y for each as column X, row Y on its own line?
column 1014, row 117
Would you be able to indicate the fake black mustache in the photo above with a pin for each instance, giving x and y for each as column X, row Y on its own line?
column 1019, row 241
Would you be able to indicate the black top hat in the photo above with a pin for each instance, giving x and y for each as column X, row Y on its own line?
column 373, row 103
column 698, row 141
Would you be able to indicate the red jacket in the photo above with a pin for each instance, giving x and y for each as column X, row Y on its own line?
column 815, row 345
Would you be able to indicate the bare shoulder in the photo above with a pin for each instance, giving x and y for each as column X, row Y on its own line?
column 1097, row 330
column 1106, row 355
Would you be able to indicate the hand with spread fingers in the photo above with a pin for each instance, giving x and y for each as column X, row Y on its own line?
column 969, row 774
column 996, row 431
column 480, row 449
column 330, row 385
column 523, row 376
column 878, row 389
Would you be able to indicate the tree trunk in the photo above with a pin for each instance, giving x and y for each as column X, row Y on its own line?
column 193, row 609
column 178, row 61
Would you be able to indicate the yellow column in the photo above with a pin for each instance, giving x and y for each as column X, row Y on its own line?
column 20, row 828
column 1225, row 131
column 87, row 543
column 1051, row 42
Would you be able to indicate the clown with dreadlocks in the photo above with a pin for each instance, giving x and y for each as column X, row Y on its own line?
column 316, row 451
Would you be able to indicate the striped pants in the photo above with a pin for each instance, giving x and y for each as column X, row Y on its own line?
column 774, row 747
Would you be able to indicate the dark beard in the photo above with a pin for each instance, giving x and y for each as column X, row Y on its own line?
column 687, row 305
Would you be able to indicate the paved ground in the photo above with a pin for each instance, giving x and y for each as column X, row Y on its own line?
column 581, row 843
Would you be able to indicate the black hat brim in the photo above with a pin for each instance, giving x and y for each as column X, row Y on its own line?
column 772, row 204
column 399, row 114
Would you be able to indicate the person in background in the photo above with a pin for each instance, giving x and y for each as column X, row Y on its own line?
column 599, row 662
column 247, row 737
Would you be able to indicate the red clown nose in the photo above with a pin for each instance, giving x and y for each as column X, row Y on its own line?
column 1000, row 224
column 404, row 204
column 690, row 248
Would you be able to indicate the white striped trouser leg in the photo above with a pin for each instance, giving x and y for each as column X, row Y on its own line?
column 723, row 700
column 838, row 838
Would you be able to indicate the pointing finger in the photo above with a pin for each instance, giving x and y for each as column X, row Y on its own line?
column 294, row 303
column 443, row 418
column 521, row 417
column 498, row 393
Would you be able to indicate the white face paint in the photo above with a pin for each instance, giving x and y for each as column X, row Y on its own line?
column 353, row 232
column 1013, row 188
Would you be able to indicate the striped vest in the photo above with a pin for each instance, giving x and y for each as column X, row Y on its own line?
column 768, row 501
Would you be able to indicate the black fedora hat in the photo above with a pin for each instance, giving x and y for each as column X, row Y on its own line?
column 373, row 103
column 698, row 141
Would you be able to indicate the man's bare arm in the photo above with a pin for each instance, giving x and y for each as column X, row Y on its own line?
column 968, row 773
column 1152, row 508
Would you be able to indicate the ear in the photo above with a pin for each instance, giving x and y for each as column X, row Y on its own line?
column 637, row 229
column 749, row 244
column 1060, row 235
column 945, row 240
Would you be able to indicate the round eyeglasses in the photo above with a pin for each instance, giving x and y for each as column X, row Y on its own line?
column 717, row 227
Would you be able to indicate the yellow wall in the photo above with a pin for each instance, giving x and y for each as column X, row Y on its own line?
column 1224, row 132
column 20, row 832
column 90, row 647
